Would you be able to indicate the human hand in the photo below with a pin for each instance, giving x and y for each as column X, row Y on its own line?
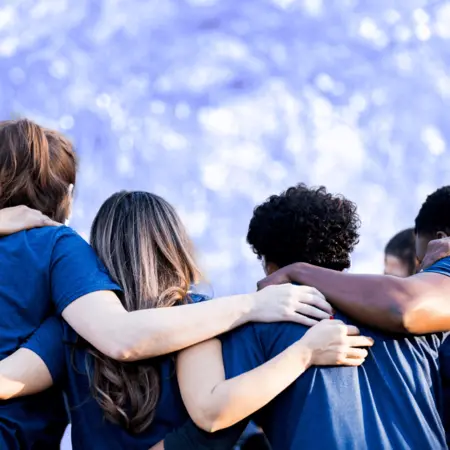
column 281, row 276
column 436, row 250
column 20, row 218
column 290, row 303
column 332, row 343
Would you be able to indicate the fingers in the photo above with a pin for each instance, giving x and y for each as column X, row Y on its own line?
column 313, row 297
column 352, row 330
column 47, row 222
column 318, row 300
column 352, row 362
column 359, row 341
column 357, row 353
column 302, row 320
column 271, row 280
column 312, row 311
column 35, row 219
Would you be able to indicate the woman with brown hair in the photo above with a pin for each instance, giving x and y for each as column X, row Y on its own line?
column 144, row 246
column 52, row 270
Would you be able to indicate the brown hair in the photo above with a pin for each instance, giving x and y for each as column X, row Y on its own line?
column 37, row 166
column 145, row 247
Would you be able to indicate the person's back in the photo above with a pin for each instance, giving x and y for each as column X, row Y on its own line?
column 90, row 429
column 25, row 302
column 42, row 271
column 391, row 402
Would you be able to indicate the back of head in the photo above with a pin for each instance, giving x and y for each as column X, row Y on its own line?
column 37, row 166
column 305, row 225
column 146, row 249
column 433, row 220
column 434, row 215
column 402, row 246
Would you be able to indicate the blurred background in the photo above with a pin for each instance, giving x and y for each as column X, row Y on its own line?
column 217, row 104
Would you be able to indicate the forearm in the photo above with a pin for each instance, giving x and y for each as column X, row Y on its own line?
column 23, row 373
column 232, row 400
column 382, row 301
column 130, row 336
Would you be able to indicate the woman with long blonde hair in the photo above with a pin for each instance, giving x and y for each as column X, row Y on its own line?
column 145, row 248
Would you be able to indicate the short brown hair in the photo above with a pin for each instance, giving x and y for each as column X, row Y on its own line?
column 37, row 166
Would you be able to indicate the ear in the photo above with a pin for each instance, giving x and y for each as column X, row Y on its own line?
column 70, row 197
column 441, row 235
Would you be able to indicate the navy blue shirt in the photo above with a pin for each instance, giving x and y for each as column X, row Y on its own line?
column 41, row 272
column 59, row 347
column 393, row 401
column 90, row 429
column 443, row 267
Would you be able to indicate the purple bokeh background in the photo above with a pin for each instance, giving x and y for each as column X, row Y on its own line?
column 216, row 104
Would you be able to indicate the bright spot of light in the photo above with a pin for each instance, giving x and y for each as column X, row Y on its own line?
column 432, row 138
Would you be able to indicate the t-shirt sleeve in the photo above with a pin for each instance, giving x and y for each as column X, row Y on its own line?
column 442, row 267
column 47, row 343
column 75, row 270
column 241, row 351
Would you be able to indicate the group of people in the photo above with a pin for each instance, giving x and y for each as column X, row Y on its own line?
column 114, row 338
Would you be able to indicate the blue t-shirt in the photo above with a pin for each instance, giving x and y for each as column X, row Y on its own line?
column 443, row 267
column 57, row 341
column 41, row 272
column 393, row 401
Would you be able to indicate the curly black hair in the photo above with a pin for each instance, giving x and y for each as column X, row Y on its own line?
column 403, row 246
column 434, row 215
column 305, row 225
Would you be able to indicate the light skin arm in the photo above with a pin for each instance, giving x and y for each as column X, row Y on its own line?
column 23, row 373
column 215, row 403
column 419, row 304
column 101, row 319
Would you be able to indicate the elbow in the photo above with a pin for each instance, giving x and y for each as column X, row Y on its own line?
column 120, row 351
column 128, row 347
column 404, row 315
column 413, row 320
column 209, row 421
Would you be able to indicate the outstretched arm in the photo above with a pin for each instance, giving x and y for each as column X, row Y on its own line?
column 81, row 291
column 215, row 403
column 100, row 319
column 419, row 304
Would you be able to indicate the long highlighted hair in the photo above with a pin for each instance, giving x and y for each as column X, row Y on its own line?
column 145, row 247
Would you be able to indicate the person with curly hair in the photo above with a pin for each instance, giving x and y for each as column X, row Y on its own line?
column 400, row 254
column 304, row 224
column 417, row 304
column 391, row 401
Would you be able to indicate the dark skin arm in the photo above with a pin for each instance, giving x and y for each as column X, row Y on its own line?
column 419, row 304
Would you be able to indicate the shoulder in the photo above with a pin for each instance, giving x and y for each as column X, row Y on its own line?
column 68, row 242
column 64, row 232
column 47, row 235
column 51, row 236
